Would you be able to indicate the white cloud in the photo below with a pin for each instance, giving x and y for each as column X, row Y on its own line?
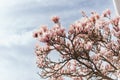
column 15, row 39
column 16, row 26
column 17, row 62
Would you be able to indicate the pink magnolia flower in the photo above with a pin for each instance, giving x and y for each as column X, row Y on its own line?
column 88, row 46
column 35, row 34
column 44, row 28
column 117, row 34
column 71, row 29
column 115, row 21
column 109, row 45
column 106, row 28
column 45, row 37
column 55, row 19
column 106, row 13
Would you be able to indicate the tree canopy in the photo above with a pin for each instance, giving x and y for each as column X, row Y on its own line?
column 88, row 49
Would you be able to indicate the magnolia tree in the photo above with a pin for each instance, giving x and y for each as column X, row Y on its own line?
column 88, row 50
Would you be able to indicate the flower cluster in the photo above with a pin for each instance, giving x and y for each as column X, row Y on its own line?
column 45, row 35
column 90, row 49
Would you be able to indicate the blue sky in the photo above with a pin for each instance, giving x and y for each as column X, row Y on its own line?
column 19, row 18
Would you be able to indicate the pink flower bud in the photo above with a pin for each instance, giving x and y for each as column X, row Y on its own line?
column 88, row 46
column 35, row 34
column 106, row 13
column 44, row 28
column 55, row 19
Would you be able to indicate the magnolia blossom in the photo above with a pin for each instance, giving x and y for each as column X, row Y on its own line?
column 88, row 46
column 106, row 13
column 88, row 50
column 55, row 19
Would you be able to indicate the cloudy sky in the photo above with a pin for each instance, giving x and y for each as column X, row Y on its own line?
column 19, row 18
